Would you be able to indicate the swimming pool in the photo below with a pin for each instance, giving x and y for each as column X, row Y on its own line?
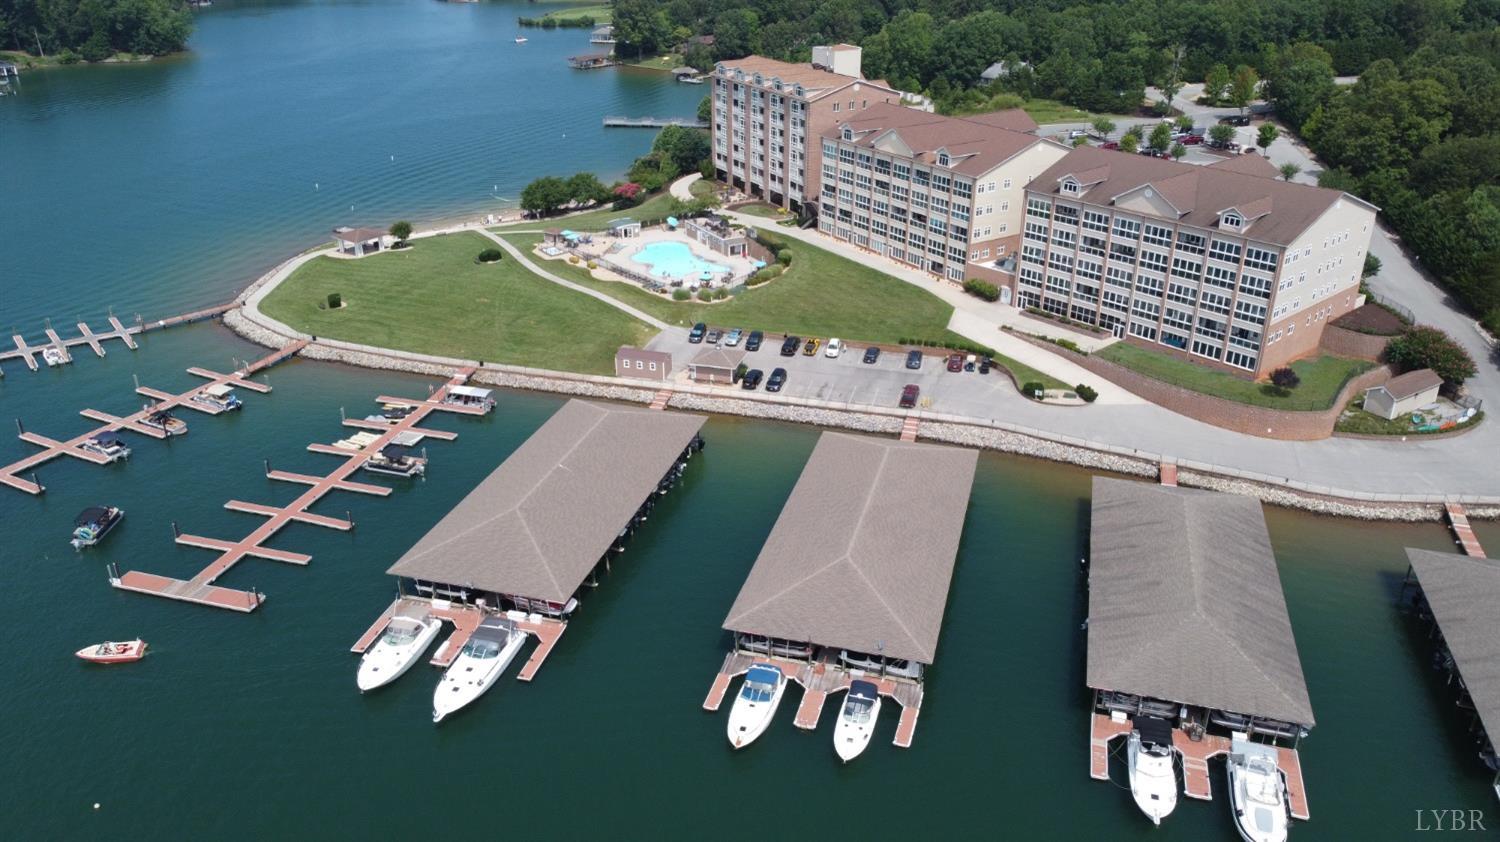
column 675, row 260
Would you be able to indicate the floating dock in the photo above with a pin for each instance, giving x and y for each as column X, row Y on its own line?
column 87, row 336
column 653, row 122
column 51, row 449
column 201, row 588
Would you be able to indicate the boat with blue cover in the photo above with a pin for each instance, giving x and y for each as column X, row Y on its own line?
column 756, row 703
column 93, row 523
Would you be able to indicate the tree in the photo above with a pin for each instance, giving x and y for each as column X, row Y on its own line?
column 1171, row 79
column 1161, row 137
column 1243, row 86
column 705, row 109
column 401, row 231
column 736, row 33
column 1183, row 122
column 1428, row 347
column 1177, row 151
column 1221, row 134
column 1285, row 380
column 1289, row 171
column 1372, row 266
column 1130, row 143
column 686, row 148
column 1104, row 127
column 1216, row 84
column 545, row 195
column 641, row 27
column 1266, row 135
column 585, row 188
column 1301, row 79
column 1081, row 140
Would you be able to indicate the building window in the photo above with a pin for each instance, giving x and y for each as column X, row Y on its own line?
column 943, row 160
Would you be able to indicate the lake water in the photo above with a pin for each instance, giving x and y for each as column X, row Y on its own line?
column 162, row 187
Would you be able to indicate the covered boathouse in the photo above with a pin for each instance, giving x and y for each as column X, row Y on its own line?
column 1187, row 623
column 1460, row 596
column 853, row 580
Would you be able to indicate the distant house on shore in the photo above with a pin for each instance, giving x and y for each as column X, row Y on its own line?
column 602, row 35
column 358, row 242
column 1000, row 70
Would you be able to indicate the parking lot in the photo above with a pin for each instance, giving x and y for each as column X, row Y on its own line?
column 848, row 380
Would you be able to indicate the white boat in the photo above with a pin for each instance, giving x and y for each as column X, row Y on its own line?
column 520, row 40
column 220, row 396
column 106, row 444
column 856, row 720
column 470, row 396
column 164, row 420
column 400, row 645
column 1153, row 777
column 756, row 703
column 489, row 651
column 397, row 461
column 1257, row 791
column 52, row 356
column 93, row 523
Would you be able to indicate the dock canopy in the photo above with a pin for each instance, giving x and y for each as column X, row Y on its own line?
column 1185, row 604
column 539, row 523
column 470, row 392
column 863, row 552
column 1463, row 593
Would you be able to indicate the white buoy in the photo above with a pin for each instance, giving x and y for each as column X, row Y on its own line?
column 316, row 186
column 96, row 805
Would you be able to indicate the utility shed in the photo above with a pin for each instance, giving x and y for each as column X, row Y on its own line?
column 1185, row 604
column 536, row 527
column 863, row 552
column 1403, row 393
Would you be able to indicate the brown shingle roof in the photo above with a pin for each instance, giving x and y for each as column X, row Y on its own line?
column 863, row 552
column 539, row 523
column 1411, row 383
column 719, row 357
column 1249, row 163
column 1209, row 190
column 1185, row 602
column 357, row 235
column 1464, row 595
column 976, row 148
column 816, row 81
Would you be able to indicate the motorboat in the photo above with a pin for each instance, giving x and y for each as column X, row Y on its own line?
column 896, row 667
column 397, row 461
column 219, row 396
column 394, row 412
column 489, row 651
column 520, row 39
column 756, row 703
column 856, row 720
column 93, row 523
column 107, row 444
column 164, row 420
column 400, row 645
column 1153, row 777
column 114, row 652
column 52, row 356
column 1257, row 791
column 470, row 396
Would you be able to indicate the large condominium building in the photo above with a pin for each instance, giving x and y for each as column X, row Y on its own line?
column 1223, row 264
column 933, row 192
column 768, row 117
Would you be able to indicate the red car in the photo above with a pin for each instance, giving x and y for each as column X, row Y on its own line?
column 955, row 362
column 1192, row 140
column 1113, row 144
column 909, row 396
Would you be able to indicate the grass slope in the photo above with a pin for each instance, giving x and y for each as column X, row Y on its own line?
column 1322, row 378
column 434, row 299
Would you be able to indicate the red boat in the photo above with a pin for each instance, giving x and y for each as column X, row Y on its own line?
column 114, row 652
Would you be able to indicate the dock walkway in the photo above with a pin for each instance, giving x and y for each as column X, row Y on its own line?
column 27, row 352
column 1458, row 519
column 11, row 474
column 200, row 589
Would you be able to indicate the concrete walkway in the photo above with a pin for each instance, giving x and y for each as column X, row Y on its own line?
column 544, row 274
column 682, row 188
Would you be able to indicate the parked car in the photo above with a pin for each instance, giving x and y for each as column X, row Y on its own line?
column 810, row 347
column 872, row 355
column 1112, row 144
column 1235, row 120
column 1072, row 133
column 752, row 343
column 713, row 336
column 984, row 365
column 777, row 380
column 733, row 338
column 913, row 359
column 955, row 362
column 752, row 378
column 909, row 395
column 789, row 345
column 696, row 334
column 1192, row 140
column 834, row 349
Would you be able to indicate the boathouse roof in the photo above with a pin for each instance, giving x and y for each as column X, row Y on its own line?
column 863, row 552
column 1464, row 595
column 538, row 524
column 1185, row 603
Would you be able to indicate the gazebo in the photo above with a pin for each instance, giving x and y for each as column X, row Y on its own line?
column 358, row 242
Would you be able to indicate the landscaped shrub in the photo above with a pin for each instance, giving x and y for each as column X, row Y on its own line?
column 705, row 294
column 680, row 294
column 493, row 255
column 1285, row 379
column 335, row 301
column 785, row 257
column 982, row 289
column 593, row 265
column 1069, row 344
column 1086, row 392
column 573, row 259
column 1428, row 347
column 1033, row 389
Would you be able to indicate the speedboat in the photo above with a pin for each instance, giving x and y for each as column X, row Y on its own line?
column 106, row 444
column 756, row 704
column 394, row 412
column 489, row 651
column 164, row 420
column 857, row 720
column 219, row 396
column 52, row 356
column 1153, row 778
column 114, row 652
column 520, row 40
column 397, row 461
column 400, row 646
column 1257, row 792
column 93, row 523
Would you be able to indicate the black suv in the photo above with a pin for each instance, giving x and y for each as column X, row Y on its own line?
column 790, row 345
column 872, row 354
column 776, row 381
column 696, row 335
column 751, row 379
column 753, row 342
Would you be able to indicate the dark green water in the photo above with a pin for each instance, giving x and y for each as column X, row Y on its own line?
column 249, row 727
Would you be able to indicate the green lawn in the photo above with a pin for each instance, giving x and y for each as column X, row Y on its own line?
column 1051, row 111
column 822, row 294
column 601, row 14
column 1322, row 378
column 703, row 187
column 668, row 61
column 762, row 210
column 655, row 207
column 433, row 298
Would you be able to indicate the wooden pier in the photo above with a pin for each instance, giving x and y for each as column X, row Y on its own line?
column 11, row 474
column 909, row 428
column 653, row 122
column 465, row 619
column 662, row 398
column 1168, row 474
column 1463, row 533
column 87, row 336
column 200, row 589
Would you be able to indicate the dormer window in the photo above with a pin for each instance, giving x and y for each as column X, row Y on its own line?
column 1231, row 219
column 800, row 91
column 1070, row 186
column 848, row 133
column 759, row 80
column 943, row 160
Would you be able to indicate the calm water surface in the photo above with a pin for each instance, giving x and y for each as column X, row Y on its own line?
column 165, row 186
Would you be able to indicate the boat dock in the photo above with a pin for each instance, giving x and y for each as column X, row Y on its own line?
column 201, row 588
column 821, row 679
column 1463, row 533
column 653, row 122
column 465, row 619
column 27, row 352
column 11, row 474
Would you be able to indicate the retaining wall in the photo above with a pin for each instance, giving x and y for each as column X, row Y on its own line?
column 1341, row 342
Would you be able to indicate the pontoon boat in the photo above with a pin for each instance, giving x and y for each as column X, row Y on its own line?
column 1153, row 778
column 108, row 445
column 489, row 651
column 857, row 720
column 93, row 523
column 756, row 704
column 397, row 461
column 164, row 420
column 1257, row 792
column 470, row 396
column 400, row 645
column 220, row 396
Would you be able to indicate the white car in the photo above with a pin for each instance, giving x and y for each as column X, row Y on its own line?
column 733, row 338
column 834, row 349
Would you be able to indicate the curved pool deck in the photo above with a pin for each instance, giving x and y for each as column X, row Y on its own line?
column 671, row 259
